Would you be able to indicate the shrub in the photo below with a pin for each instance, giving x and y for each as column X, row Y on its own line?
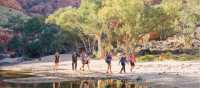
column 147, row 58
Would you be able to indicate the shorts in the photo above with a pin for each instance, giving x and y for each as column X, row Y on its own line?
column 85, row 62
column 56, row 61
column 132, row 63
column 123, row 64
column 108, row 62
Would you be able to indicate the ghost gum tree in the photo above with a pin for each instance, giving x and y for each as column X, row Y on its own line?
column 129, row 20
column 82, row 22
column 122, row 23
column 121, row 18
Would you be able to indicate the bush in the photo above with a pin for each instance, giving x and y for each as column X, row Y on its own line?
column 33, row 50
column 147, row 58
column 185, row 57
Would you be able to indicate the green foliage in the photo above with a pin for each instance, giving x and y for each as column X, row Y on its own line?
column 181, row 57
column 2, row 46
column 78, row 24
column 15, row 43
column 36, row 38
column 33, row 26
column 40, row 38
column 147, row 58
column 185, row 57
column 33, row 49
column 11, row 18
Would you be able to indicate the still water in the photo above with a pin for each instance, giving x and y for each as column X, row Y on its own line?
column 77, row 84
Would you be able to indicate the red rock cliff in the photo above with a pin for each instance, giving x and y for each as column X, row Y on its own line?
column 11, row 4
column 40, row 7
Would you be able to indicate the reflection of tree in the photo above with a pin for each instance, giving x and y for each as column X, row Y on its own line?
column 132, row 86
column 108, row 84
column 75, row 84
column 56, row 84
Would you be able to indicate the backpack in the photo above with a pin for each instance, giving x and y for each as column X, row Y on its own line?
column 108, row 58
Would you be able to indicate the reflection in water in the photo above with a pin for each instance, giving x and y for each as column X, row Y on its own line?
column 56, row 84
column 78, row 84
column 123, row 84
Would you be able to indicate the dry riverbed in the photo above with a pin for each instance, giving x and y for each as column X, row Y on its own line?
column 164, row 74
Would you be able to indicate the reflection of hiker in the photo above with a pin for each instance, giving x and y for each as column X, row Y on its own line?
column 84, row 60
column 108, row 61
column 123, row 84
column 56, row 84
column 132, row 60
column 84, row 84
column 123, row 62
column 57, row 59
column 74, row 60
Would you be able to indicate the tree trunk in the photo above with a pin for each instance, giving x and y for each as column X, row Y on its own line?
column 84, row 44
column 93, row 45
column 99, row 45
column 89, row 45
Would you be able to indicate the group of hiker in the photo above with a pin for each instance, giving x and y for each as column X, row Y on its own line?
column 123, row 60
column 75, row 55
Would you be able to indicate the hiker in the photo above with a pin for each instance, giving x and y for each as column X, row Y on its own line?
column 74, row 61
column 108, row 60
column 123, row 62
column 132, row 60
column 56, row 60
column 84, row 60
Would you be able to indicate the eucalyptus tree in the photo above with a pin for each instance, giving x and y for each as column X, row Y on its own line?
column 121, row 18
column 189, row 19
column 82, row 22
column 122, row 23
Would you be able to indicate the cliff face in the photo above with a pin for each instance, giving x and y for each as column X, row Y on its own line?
column 11, row 4
column 46, row 7
column 39, row 7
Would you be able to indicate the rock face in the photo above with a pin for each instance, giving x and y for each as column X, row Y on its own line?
column 39, row 7
column 11, row 4
column 46, row 7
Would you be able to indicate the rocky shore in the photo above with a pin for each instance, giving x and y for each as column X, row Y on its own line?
column 165, row 74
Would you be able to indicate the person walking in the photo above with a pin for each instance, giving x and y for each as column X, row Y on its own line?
column 123, row 62
column 56, row 60
column 74, row 61
column 108, row 60
column 84, row 60
column 132, row 60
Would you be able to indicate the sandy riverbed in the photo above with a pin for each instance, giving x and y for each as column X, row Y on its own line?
column 165, row 74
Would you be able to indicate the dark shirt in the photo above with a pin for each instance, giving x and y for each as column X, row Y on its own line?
column 123, row 60
column 74, row 57
column 108, row 57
